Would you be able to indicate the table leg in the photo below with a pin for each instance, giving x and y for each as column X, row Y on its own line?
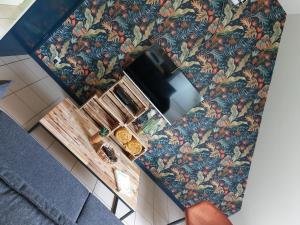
column 126, row 215
column 177, row 222
column 115, row 204
column 33, row 127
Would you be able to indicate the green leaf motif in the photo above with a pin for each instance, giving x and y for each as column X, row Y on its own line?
column 92, row 32
column 234, row 79
column 243, row 63
column 62, row 65
column 237, row 153
column 101, row 69
column 100, row 13
column 240, row 10
column 64, row 49
column 181, row 12
column 234, row 113
column 229, row 29
column 176, row 4
column 228, row 15
column 170, row 162
column 277, row 32
column 148, row 30
column 161, row 165
column 53, row 51
column 188, row 64
column 205, row 137
column 89, row 19
column 203, row 187
column 200, row 177
column 196, row 47
column 199, row 150
column 210, row 175
column 137, row 35
column 240, row 190
column 111, row 65
column 184, row 51
column 196, row 140
column 195, row 109
column 231, row 67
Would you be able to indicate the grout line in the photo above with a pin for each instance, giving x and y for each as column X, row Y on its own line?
column 26, row 86
column 40, row 112
column 74, row 165
column 29, row 108
column 101, row 200
column 19, row 60
column 95, row 185
column 51, row 145
column 153, row 205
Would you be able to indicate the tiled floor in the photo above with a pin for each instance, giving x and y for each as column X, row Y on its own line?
column 33, row 94
column 154, row 206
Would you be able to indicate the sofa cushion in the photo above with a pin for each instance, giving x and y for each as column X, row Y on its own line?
column 95, row 213
column 21, row 204
column 22, row 154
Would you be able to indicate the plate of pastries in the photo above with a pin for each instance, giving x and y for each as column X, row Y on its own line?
column 130, row 143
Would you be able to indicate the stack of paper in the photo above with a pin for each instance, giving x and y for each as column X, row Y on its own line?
column 123, row 182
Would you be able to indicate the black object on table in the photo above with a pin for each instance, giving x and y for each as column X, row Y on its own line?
column 125, row 99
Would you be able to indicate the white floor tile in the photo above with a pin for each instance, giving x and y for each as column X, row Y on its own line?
column 140, row 220
column 130, row 220
column 33, row 121
column 21, row 57
column 122, row 209
column 161, row 203
column 159, row 220
column 9, row 59
column 61, row 154
column 145, row 209
column 146, row 188
column 16, row 108
column 7, row 74
column 32, row 100
column 84, row 176
column 24, row 72
column 42, row 136
column 48, row 90
column 101, row 200
column 1, row 62
column 104, row 194
column 174, row 211
column 35, row 67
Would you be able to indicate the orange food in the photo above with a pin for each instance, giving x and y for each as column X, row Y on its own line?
column 134, row 147
column 123, row 135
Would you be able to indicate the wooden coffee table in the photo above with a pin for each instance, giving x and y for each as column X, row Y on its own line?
column 72, row 127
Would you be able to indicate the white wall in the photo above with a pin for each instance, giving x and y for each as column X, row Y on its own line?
column 291, row 6
column 273, row 192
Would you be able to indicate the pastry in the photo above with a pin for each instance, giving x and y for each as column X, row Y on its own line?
column 123, row 135
column 134, row 147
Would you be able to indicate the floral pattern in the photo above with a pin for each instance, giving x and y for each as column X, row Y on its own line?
column 228, row 53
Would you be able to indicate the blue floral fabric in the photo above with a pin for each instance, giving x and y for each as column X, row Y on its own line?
column 227, row 52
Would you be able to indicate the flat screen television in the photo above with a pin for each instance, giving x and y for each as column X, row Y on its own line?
column 163, row 83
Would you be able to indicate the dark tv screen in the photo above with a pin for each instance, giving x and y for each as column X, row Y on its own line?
column 163, row 83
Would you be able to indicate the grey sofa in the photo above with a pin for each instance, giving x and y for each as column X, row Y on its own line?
column 45, row 191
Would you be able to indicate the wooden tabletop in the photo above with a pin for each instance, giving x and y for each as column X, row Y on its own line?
column 73, row 129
